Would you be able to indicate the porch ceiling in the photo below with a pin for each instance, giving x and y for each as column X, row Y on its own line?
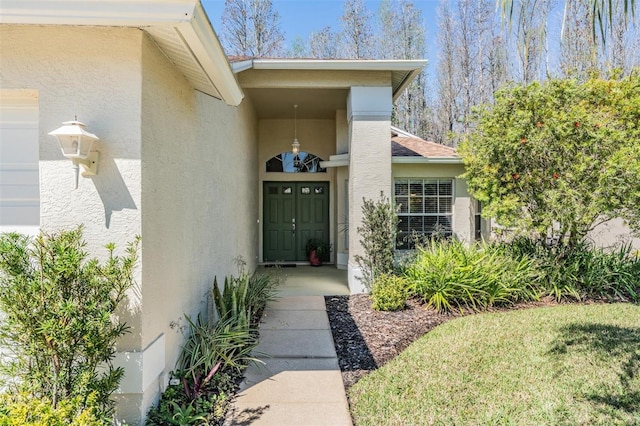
column 312, row 103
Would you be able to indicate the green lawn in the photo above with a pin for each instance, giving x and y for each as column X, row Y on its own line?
column 565, row 365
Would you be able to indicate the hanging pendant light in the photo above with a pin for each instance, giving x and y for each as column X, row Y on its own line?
column 295, row 146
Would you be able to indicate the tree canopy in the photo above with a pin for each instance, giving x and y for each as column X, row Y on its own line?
column 558, row 157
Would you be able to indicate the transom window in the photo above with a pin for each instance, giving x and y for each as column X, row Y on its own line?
column 425, row 209
column 304, row 162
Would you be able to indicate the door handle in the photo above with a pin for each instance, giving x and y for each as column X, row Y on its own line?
column 293, row 226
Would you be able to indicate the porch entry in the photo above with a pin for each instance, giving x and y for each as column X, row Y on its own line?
column 294, row 212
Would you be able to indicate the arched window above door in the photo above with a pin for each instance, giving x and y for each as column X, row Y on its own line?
column 304, row 162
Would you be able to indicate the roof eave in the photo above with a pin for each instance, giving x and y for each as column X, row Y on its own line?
column 186, row 16
column 407, row 70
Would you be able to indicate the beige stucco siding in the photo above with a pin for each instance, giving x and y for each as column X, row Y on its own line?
column 199, row 197
column 94, row 74
column 463, row 215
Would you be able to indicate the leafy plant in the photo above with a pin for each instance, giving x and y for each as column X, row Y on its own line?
column 449, row 274
column 59, row 327
column 175, row 408
column 23, row 409
column 389, row 293
column 231, row 302
column 555, row 159
column 322, row 249
column 378, row 237
column 206, row 350
column 583, row 270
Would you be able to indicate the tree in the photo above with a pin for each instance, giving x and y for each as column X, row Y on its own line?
column 531, row 40
column 603, row 13
column 402, row 36
column 579, row 51
column 251, row 28
column 356, row 36
column 471, row 65
column 558, row 158
column 323, row 44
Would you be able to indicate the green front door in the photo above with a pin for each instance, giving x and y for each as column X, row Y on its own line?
column 294, row 212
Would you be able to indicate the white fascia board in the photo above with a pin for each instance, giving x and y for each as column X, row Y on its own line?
column 333, row 163
column 407, row 80
column 134, row 13
column 339, row 64
column 338, row 160
column 424, row 160
column 403, row 133
column 240, row 66
column 206, row 47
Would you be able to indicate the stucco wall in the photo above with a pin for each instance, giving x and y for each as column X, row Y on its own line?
column 316, row 136
column 94, row 74
column 193, row 198
column 463, row 214
column 613, row 233
column 199, row 198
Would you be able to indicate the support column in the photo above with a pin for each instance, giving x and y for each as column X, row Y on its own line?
column 369, row 117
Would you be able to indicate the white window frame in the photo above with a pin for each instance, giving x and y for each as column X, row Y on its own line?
column 423, row 180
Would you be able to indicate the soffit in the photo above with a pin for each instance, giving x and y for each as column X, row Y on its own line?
column 325, row 73
column 173, row 45
column 312, row 103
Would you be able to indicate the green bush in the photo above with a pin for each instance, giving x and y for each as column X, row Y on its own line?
column 25, row 410
column 59, row 325
column 389, row 293
column 378, row 238
column 215, row 352
column 583, row 271
column 176, row 408
column 449, row 274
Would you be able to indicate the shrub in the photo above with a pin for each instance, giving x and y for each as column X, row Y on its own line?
column 207, row 350
column 175, row 408
column 24, row 410
column 583, row 270
column 448, row 274
column 389, row 293
column 215, row 352
column 59, row 326
column 378, row 238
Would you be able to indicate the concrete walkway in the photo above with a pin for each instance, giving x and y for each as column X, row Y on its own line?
column 300, row 383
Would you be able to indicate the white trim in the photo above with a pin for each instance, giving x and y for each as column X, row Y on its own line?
column 339, row 160
column 422, row 160
column 339, row 64
column 240, row 66
column 119, row 13
column 141, row 369
column 206, row 47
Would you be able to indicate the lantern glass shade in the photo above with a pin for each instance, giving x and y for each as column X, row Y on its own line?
column 295, row 147
column 74, row 140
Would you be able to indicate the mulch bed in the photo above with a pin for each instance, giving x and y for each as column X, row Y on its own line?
column 366, row 339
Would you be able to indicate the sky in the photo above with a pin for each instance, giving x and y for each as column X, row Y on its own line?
column 301, row 17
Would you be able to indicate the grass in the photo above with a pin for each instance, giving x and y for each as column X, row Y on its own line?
column 565, row 365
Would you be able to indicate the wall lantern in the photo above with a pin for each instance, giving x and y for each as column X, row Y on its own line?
column 75, row 143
